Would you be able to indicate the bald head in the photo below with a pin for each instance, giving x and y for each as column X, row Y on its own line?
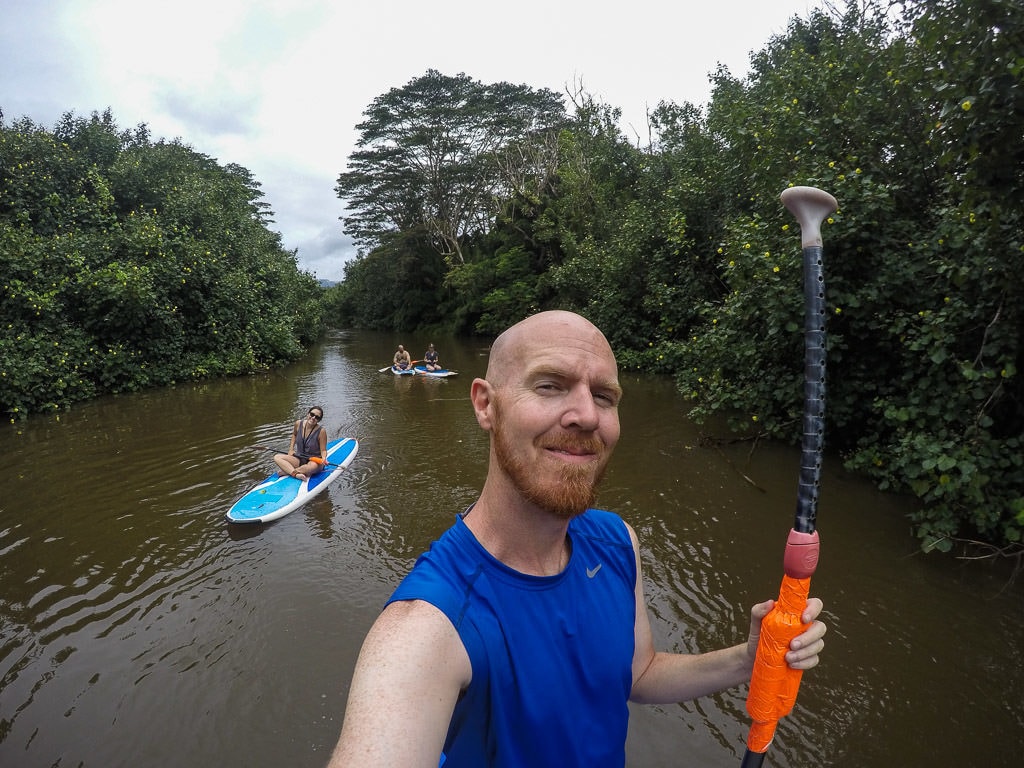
column 516, row 347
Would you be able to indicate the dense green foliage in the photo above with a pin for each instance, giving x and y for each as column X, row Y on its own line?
column 127, row 263
column 681, row 252
column 926, row 329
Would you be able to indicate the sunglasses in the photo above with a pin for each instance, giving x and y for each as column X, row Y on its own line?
column 315, row 416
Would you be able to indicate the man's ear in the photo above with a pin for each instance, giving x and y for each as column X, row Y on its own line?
column 482, row 397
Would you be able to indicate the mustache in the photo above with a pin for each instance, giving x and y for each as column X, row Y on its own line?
column 576, row 445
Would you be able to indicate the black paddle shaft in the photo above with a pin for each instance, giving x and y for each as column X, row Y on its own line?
column 813, row 439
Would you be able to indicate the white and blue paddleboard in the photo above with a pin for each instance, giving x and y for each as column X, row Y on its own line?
column 441, row 373
column 278, row 495
column 403, row 371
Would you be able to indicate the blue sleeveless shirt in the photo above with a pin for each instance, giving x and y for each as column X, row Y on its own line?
column 551, row 655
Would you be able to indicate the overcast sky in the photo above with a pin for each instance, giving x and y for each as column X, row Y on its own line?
column 278, row 86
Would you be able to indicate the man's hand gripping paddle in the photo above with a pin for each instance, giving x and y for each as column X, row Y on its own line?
column 773, row 684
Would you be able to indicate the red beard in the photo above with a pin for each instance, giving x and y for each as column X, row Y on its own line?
column 572, row 492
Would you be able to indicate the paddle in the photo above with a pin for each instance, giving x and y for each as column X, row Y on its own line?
column 275, row 450
column 389, row 367
column 773, row 684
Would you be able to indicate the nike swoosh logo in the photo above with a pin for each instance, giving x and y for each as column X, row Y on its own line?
column 592, row 572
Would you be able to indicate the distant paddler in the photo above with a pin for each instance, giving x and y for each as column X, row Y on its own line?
column 402, row 360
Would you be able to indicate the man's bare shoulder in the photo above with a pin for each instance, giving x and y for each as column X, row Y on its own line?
column 413, row 626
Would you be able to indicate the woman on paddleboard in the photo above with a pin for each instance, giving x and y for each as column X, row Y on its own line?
column 307, row 451
column 430, row 359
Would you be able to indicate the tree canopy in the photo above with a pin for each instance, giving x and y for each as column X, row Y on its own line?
column 429, row 156
column 128, row 263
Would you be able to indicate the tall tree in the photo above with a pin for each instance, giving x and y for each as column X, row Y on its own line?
column 430, row 155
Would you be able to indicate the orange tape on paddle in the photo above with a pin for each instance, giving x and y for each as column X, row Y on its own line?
column 774, row 684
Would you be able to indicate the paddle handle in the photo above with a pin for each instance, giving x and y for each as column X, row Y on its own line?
column 810, row 206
